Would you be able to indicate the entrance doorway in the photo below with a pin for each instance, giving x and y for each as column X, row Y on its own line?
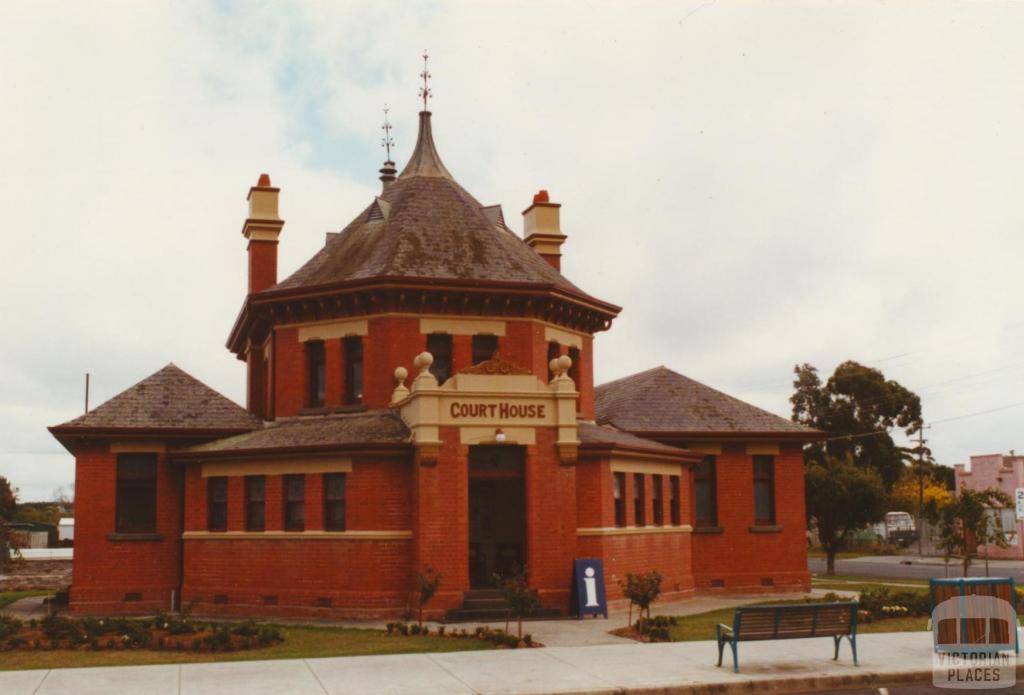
column 497, row 512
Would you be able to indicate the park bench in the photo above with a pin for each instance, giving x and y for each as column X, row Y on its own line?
column 789, row 621
column 977, row 614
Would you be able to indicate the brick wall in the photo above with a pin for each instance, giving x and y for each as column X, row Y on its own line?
column 394, row 341
column 105, row 571
column 737, row 559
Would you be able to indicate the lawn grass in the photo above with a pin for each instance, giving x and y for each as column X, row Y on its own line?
column 701, row 627
column 9, row 597
column 300, row 642
column 849, row 582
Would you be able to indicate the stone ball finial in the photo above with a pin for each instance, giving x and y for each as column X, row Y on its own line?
column 423, row 361
column 401, row 374
column 553, row 366
column 565, row 363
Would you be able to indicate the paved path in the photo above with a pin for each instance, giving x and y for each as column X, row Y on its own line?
column 914, row 567
column 682, row 667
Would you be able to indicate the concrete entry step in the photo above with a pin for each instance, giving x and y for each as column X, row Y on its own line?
column 483, row 605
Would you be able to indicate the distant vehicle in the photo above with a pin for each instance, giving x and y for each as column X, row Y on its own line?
column 900, row 528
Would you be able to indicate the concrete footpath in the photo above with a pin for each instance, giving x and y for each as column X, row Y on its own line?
column 619, row 669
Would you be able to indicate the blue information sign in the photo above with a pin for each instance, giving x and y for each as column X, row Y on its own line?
column 588, row 588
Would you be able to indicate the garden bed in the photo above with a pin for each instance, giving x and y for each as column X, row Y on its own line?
column 498, row 638
column 107, row 634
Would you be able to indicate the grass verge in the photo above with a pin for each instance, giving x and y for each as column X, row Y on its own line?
column 702, row 626
column 9, row 597
column 849, row 582
column 300, row 642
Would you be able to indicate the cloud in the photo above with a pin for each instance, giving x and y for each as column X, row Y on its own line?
column 757, row 185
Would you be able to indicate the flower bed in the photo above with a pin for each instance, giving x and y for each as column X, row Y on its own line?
column 160, row 633
column 499, row 638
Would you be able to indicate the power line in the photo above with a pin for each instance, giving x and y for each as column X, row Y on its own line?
column 980, row 412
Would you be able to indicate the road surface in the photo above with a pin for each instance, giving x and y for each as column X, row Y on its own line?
column 913, row 567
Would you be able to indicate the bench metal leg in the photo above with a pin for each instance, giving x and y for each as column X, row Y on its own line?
column 838, row 639
column 735, row 658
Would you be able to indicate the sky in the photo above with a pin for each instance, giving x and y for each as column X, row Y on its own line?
column 757, row 184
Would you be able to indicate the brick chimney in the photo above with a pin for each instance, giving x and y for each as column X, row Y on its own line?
column 542, row 229
column 262, row 228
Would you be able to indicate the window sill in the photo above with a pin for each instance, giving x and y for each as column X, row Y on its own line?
column 708, row 529
column 351, row 408
column 134, row 537
column 765, row 528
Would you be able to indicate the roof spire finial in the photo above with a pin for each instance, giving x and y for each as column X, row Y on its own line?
column 387, row 143
column 425, row 92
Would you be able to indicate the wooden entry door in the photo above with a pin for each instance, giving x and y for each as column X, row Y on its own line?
column 497, row 512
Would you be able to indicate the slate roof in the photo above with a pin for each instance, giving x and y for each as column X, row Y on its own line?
column 426, row 226
column 170, row 399
column 373, row 427
column 661, row 400
column 592, row 433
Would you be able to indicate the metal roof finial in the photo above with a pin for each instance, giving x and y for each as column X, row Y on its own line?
column 425, row 92
column 387, row 143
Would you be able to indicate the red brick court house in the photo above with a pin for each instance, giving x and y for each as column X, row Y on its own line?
column 421, row 393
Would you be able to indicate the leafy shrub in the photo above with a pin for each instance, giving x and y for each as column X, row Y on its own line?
column 247, row 629
column 16, row 642
column 440, row 630
column 269, row 634
column 528, row 639
column 882, row 603
column 9, row 626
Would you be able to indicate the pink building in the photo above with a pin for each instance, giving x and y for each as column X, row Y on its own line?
column 1004, row 473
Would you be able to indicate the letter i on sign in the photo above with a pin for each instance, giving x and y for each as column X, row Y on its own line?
column 591, row 587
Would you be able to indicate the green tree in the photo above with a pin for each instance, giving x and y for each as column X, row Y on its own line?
column 858, row 407
column 516, row 591
column 8, row 505
column 428, row 582
column 642, row 590
column 969, row 518
column 841, row 498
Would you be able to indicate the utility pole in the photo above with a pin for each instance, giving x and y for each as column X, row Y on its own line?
column 920, row 490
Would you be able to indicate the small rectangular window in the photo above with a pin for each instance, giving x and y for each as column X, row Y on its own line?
column 255, row 495
column 315, row 378
column 619, row 491
column 673, row 487
column 639, row 500
column 353, row 349
column 764, row 490
column 217, row 504
column 136, row 493
column 334, row 501
column 705, row 493
column 554, row 350
column 295, row 502
column 440, row 346
column 574, row 370
column 656, row 500
column 484, row 347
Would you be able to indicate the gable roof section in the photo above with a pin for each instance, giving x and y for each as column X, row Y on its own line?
column 375, row 427
column 170, row 399
column 592, row 435
column 662, row 401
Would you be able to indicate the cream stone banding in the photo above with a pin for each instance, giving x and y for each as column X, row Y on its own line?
column 462, row 326
column 332, row 329
column 524, row 436
column 557, row 335
column 276, row 467
column 631, row 530
column 650, row 467
column 755, row 449
column 296, row 535
column 706, row 448
column 137, row 447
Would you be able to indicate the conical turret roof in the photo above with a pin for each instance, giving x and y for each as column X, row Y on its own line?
column 426, row 226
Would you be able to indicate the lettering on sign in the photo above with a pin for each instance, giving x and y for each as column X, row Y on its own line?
column 504, row 411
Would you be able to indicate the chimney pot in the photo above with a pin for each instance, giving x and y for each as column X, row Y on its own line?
column 264, row 180
column 541, row 197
